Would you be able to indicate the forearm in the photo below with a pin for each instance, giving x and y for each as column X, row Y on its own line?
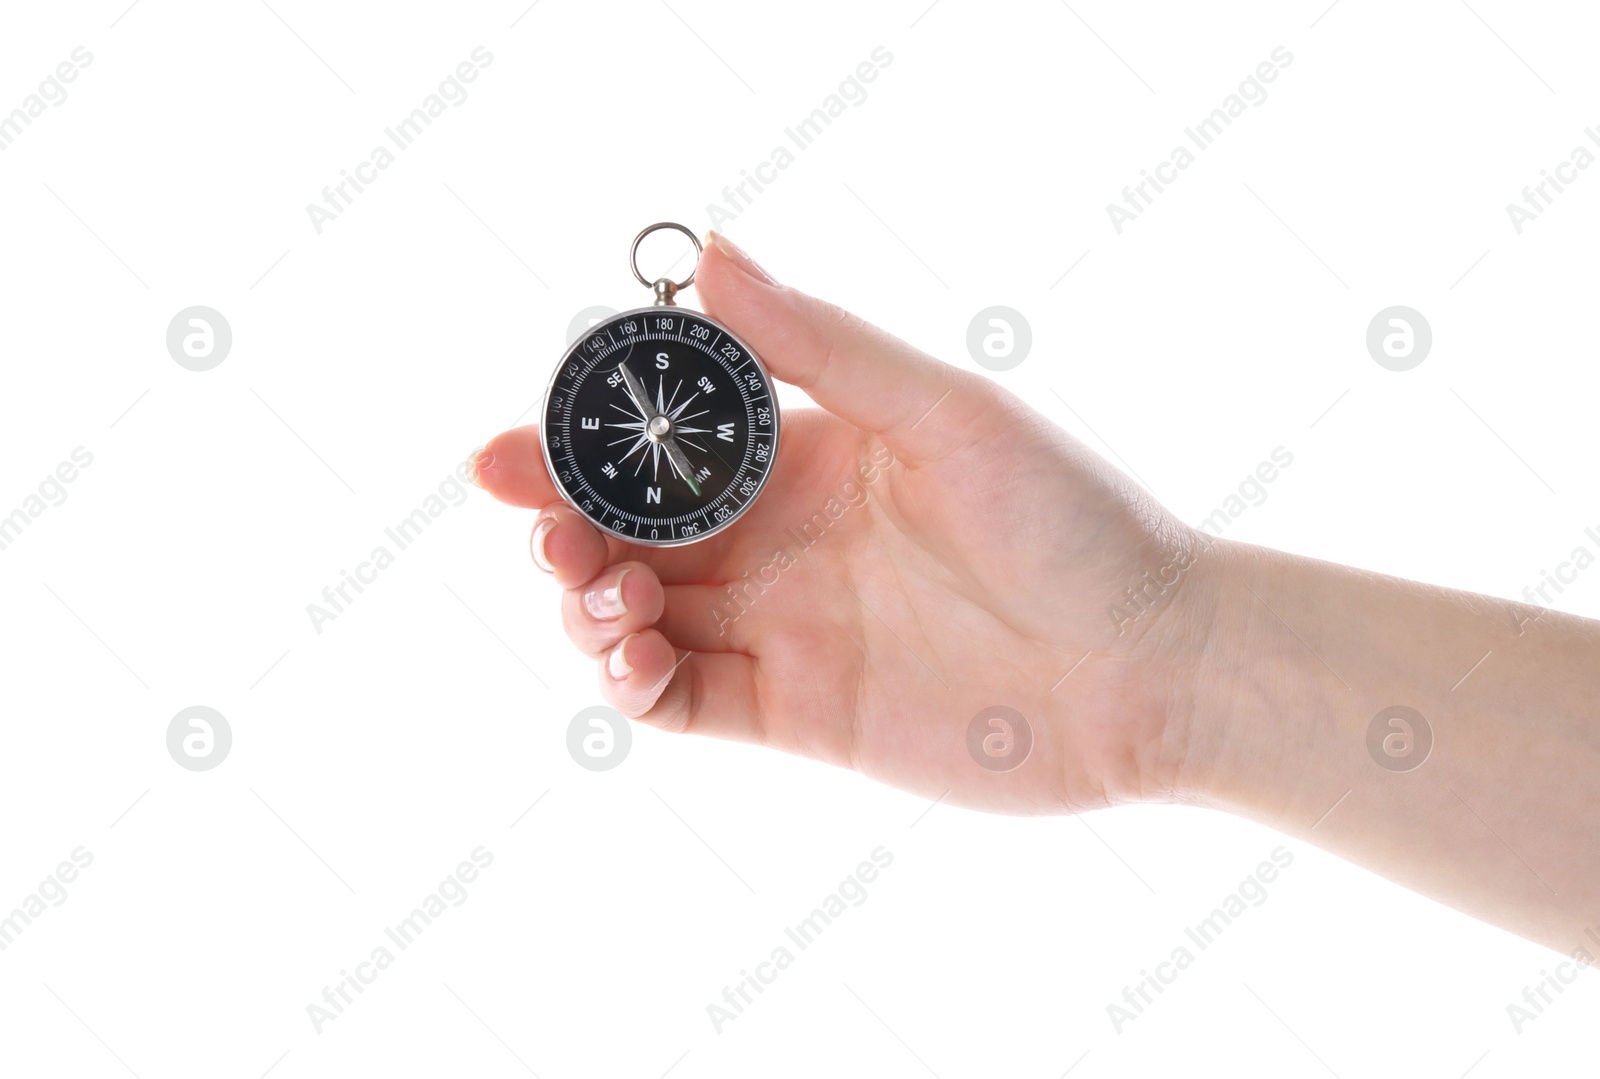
column 1500, row 819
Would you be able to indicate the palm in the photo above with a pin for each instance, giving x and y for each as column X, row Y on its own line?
column 885, row 613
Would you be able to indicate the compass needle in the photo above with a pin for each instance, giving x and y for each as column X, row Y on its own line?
column 681, row 461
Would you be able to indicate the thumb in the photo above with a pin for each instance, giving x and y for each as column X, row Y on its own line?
column 921, row 407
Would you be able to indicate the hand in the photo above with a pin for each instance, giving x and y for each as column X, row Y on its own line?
column 928, row 547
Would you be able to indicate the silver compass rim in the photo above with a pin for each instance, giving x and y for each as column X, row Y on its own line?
column 719, row 527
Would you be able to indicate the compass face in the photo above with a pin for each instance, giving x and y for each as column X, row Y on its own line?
column 660, row 426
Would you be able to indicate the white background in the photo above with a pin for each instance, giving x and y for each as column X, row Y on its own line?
column 369, row 360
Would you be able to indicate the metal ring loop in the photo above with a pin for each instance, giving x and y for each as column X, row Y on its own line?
column 633, row 255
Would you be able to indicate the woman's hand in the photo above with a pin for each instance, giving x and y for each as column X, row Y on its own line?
column 928, row 547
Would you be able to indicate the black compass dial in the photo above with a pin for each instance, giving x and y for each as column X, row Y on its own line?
column 660, row 426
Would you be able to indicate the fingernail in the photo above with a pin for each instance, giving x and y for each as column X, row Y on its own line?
column 739, row 258
column 483, row 460
column 540, row 531
column 617, row 665
column 607, row 604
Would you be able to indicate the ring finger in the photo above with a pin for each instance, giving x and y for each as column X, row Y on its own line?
column 619, row 600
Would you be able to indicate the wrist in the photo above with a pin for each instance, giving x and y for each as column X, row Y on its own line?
column 1185, row 653
column 1270, row 729
column 1237, row 674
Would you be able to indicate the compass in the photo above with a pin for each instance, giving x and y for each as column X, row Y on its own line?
column 660, row 425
